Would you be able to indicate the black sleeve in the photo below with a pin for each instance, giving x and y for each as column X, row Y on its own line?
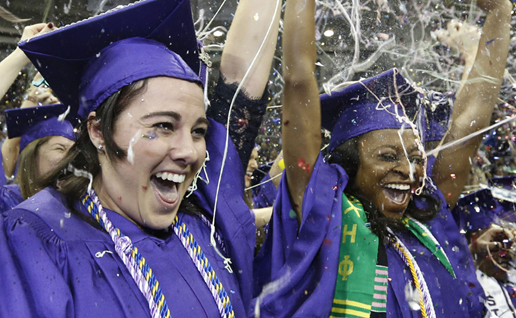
column 246, row 116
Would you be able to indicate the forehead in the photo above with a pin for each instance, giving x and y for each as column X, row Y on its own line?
column 169, row 94
column 387, row 138
column 60, row 140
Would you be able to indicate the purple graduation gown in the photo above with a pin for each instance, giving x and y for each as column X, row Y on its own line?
column 265, row 195
column 10, row 196
column 305, row 265
column 54, row 264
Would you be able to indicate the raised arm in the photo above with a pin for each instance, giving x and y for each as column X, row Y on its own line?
column 10, row 67
column 476, row 100
column 301, row 107
column 14, row 62
column 253, row 20
column 256, row 22
column 463, row 39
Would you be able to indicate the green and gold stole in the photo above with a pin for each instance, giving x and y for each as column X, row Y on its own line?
column 361, row 282
column 426, row 237
column 361, row 288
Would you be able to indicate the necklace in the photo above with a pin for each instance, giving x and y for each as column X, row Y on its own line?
column 143, row 275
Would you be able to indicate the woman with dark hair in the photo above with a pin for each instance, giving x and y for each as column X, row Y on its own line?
column 148, row 217
column 364, row 232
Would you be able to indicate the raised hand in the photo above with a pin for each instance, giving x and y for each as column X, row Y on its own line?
column 492, row 5
column 462, row 38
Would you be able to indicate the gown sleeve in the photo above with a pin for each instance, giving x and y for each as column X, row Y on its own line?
column 10, row 196
column 29, row 248
column 287, row 280
column 265, row 194
column 246, row 116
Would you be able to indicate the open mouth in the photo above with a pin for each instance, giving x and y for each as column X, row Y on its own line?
column 397, row 193
column 166, row 185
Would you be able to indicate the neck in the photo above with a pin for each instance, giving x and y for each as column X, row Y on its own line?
column 105, row 199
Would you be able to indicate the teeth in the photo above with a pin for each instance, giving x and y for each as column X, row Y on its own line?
column 401, row 187
column 177, row 178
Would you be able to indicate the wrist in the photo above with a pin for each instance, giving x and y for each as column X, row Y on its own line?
column 502, row 7
column 20, row 57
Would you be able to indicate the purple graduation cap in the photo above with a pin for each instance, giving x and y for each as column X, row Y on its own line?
column 375, row 103
column 32, row 123
column 88, row 61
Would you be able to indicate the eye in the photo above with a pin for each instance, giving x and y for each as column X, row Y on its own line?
column 417, row 160
column 201, row 132
column 388, row 157
column 164, row 126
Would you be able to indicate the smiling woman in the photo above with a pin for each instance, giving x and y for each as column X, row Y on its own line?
column 171, row 110
column 127, row 225
column 374, row 235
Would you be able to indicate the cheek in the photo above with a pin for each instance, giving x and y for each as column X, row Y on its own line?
column 419, row 171
column 51, row 158
column 153, row 148
column 201, row 152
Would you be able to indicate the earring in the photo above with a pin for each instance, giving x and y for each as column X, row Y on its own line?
column 197, row 176
column 100, row 148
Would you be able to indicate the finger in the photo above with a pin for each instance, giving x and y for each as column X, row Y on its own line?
column 47, row 28
column 35, row 28
column 509, row 233
column 43, row 98
column 452, row 26
column 442, row 36
column 53, row 99
column 496, row 231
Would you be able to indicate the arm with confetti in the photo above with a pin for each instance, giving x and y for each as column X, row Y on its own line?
column 253, row 35
column 476, row 100
column 301, row 107
column 245, row 67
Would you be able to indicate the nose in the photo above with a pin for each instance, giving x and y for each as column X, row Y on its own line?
column 183, row 150
column 404, row 168
column 253, row 164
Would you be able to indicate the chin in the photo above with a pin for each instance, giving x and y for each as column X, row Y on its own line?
column 158, row 225
column 160, row 219
column 397, row 215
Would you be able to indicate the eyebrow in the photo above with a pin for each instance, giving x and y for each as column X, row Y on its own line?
column 171, row 114
column 203, row 120
column 409, row 150
column 175, row 116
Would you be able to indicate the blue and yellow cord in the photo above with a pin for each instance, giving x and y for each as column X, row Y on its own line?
column 157, row 294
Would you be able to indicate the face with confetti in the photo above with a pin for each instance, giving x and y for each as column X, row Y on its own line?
column 389, row 170
column 162, row 132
